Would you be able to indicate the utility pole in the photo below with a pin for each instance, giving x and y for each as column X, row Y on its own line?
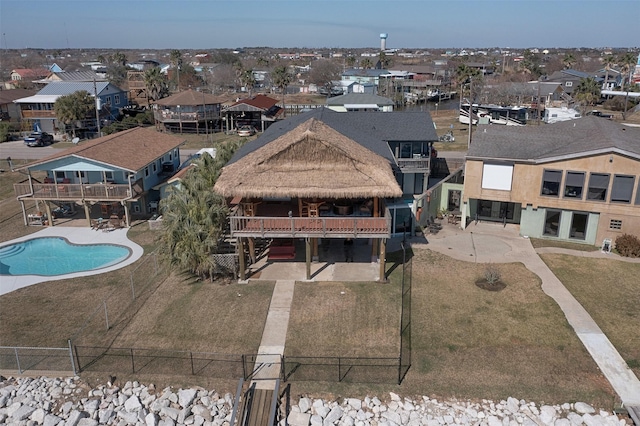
column 470, row 110
column 95, row 94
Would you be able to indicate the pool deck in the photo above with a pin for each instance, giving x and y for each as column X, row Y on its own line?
column 75, row 235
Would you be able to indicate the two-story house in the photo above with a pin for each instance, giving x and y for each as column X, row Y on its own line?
column 39, row 108
column 114, row 174
column 326, row 174
column 577, row 180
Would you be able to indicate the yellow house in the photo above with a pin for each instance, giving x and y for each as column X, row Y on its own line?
column 577, row 180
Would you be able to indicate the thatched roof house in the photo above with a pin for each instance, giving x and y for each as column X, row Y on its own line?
column 311, row 160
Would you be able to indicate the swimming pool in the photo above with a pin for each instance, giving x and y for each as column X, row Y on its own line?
column 51, row 256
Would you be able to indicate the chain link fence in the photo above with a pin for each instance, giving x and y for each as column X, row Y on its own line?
column 22, row 359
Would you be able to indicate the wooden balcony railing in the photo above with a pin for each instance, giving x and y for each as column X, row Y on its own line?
column 186, row 117
column 66, row 191
column 297, row 227
column 38, row 113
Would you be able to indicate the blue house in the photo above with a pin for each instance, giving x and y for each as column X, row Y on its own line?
column 39, row 107
column 111, row 175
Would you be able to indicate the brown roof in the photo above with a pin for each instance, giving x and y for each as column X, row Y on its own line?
column 31, row 72
column 312, row 160
column 258, row 101
column 131, row 149
column 8, row 96
column 190, row 98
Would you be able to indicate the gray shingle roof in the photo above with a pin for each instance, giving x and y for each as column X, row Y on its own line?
column 550, row 142
column 359, row 98
column 370, row 129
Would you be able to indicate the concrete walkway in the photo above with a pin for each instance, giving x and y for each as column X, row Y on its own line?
column 490, row 243
column 267, row 366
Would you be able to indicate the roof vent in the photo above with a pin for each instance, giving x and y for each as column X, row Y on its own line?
column 574, row 124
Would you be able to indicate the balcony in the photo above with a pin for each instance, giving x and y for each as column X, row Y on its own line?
column 166, row 116
column 38, row 113
column 65, row 191
column 314, row 227
column 416, row 165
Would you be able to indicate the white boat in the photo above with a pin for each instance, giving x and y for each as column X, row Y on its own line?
column 554, row 115
column 494, row 114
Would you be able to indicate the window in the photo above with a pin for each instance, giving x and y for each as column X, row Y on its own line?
column 573, row 185
column 116, row 99
column 568, row 83
column 108, row 175
column 107, row 100
column 146, row 171
column 598, row 184
column 497, row 176
column 551, row 182
column 59, row 176
column 579, row 226
column 552, row 223
column 622, row 189
column 638, row 196
column 155, row 168
column 615, row 224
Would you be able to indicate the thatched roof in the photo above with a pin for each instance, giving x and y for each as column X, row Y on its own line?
column 311, row 160
column 190, row 98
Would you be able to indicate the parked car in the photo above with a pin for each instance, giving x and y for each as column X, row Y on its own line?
column 246, row 131
column 38, row 139
column 600, row 114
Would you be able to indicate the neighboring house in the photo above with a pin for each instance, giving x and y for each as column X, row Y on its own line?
column 324, row 174
column 364, row 76
column 189, row 110
column 24, row 77
column 75, row 76
column 360, row 102
column 116, row 173
column 570, row 79
column 258, row 111
column 575, row 181
column 9, row 110
column 39, row 108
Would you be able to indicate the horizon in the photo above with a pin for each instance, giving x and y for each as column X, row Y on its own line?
column 307, row 24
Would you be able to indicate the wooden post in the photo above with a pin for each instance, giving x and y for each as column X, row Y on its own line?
column 307, row 243
column 252, row 249
column 47, row 208
column 374, row 249
column 241, row 259
column 126, row 214
column 87, row 212
column 315, row 250
column 383, row 255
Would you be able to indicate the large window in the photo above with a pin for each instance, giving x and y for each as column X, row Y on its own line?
column 551, row 182
column 598, row 184
column 574, row 184
column 497, row 176
column 552, row 223
column 638, row 196
column 579, row 226
column 622, row 189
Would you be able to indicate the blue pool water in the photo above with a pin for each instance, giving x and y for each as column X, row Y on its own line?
column 56, row 256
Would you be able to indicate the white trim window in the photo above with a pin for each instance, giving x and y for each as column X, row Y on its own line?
column 497, row 176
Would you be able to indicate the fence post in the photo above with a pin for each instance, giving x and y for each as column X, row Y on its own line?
column 18, row 360
column 106, row 313
column 73, row 364
column 244, row 370
column 191, row 356
column 339, row 371
column 75, row 349
column 133, row 364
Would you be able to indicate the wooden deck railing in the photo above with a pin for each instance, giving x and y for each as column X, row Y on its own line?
column 294, row 227
column 70, row 191
column 417, row 164
column 38, row 113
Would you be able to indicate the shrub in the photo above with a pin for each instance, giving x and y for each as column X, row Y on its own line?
column 628, row 245
column 492, row 274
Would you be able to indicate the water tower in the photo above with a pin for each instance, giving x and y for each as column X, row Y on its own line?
column 383, row 41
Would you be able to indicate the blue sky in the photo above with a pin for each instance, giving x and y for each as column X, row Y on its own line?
column 201, row 24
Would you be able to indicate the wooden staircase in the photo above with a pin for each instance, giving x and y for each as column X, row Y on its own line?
column 255, row 407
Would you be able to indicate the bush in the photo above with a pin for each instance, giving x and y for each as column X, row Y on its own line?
column 492, row 274
column 628, row 245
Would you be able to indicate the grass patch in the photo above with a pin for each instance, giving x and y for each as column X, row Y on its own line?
column 11, row 219
column 609, row 291
column 443, row 120
column 346, row 319
column 545, row 242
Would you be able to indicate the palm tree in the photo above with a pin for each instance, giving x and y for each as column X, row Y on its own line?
column 281, row 79
column 176, row 60
column 569, row 60
column 74, row 107
column 350, row 61
column 119, row 58
column 587, row 92
column 194, row 217
column 366, row 63
column 247, row 79
column 156, row 84
column 608, row 62
column 465, row 74
column 627, row 61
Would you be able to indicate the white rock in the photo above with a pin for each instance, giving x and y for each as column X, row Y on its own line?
column 322, row 411
column 316, row 420
column 392, row 416
column 547, row 414
column 562, row 422
column 74, row 417
column 304, row 404
column 574, row 418
column 394, row 396
column 22, row 412
column 132, row 404
column 186, row 397
column 299, row 419
column 87, row 422
column 334, row 415
column 51, row 420
column 583, row 408
column 355, row 403
column 38, row 416
column 202, row 411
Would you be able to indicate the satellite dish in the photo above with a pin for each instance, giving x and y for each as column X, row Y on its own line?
column 75, row 140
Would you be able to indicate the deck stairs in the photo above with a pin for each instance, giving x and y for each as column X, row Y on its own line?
column 254, row 406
